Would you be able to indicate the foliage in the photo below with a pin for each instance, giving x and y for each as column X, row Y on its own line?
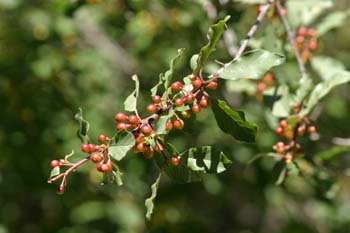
column 59, row 55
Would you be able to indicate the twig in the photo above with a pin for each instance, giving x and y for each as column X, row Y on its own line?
column 291, row 37
column 68, row 171
column 253, row 29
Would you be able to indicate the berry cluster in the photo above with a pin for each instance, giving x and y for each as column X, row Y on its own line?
column 306, row 42
column 288, row 130
column 191, row 97
column 267, row 81
column 181, row 98
column 98, row 154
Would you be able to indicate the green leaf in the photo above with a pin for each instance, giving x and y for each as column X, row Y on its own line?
column 130, row 103
column 117, row 175
column 332, row 20
column 55, row 171
column 161, row 123
column 215, row 31
column 83, row 127
column 279, row 171
column 125, row 141
column 167, row 77
column 324, row 88
column 282, row 107
column 206, row 159
column 233, row 122
column 261, row 155
column 180, row 173
column 252, row 65
column 333, row 152
column 326, row 67
column 149, row 201
column 251, row 1
column 305, row 85
column 303, row 13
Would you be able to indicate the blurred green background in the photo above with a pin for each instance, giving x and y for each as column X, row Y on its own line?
column 57, row 55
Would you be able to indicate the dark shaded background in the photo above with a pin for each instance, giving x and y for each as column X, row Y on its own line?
column 56, row 56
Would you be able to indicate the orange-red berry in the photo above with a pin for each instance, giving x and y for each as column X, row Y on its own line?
column 120, row 117
column 151, row 108
column 146, row 129
column 178, row 124
column 55, row 163
column 156, row 99
column 175, row 161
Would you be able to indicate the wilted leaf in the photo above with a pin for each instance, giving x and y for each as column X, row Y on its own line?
column 149, row 201
column 206, row 159
column 233, row 122
column 215, row 31
column 167, row 77
column 252, row 65
column 83, row 126
column 130, row 103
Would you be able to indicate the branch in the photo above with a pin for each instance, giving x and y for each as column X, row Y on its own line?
column 291, row 37
column 253, row 29
column 68, row 171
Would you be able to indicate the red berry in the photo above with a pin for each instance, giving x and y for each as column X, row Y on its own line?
column 120, row 117
column 301, row 130
column 158, row 148
column 279, row 131
column 299, row 39
column 176, row 86
column 312, row 44
column 311, row 32
column 133, row 119
column 96, row 157
column 102, row 138
column 204, row 102
column 179, row 102
column 122, row 126
column 261, row 86
column 279, row 144
column 60, row 189
column 178, row 124
column 197, row 83
column 138, row 138
column 169, row 125
column 196, row 108
column 93, row 148
column 148, row 153
column 175, row 161
column 104, row 167
column 283, row 123
column 212, row 85
column 156, row 99
column 311, row 129
column 146, row 129
column 186, row 114
column 192, row 77
column 190, row 98
column 151, row 108
column 85, row 148
column 55, row 163
column 141, row 147
column 302, row 31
